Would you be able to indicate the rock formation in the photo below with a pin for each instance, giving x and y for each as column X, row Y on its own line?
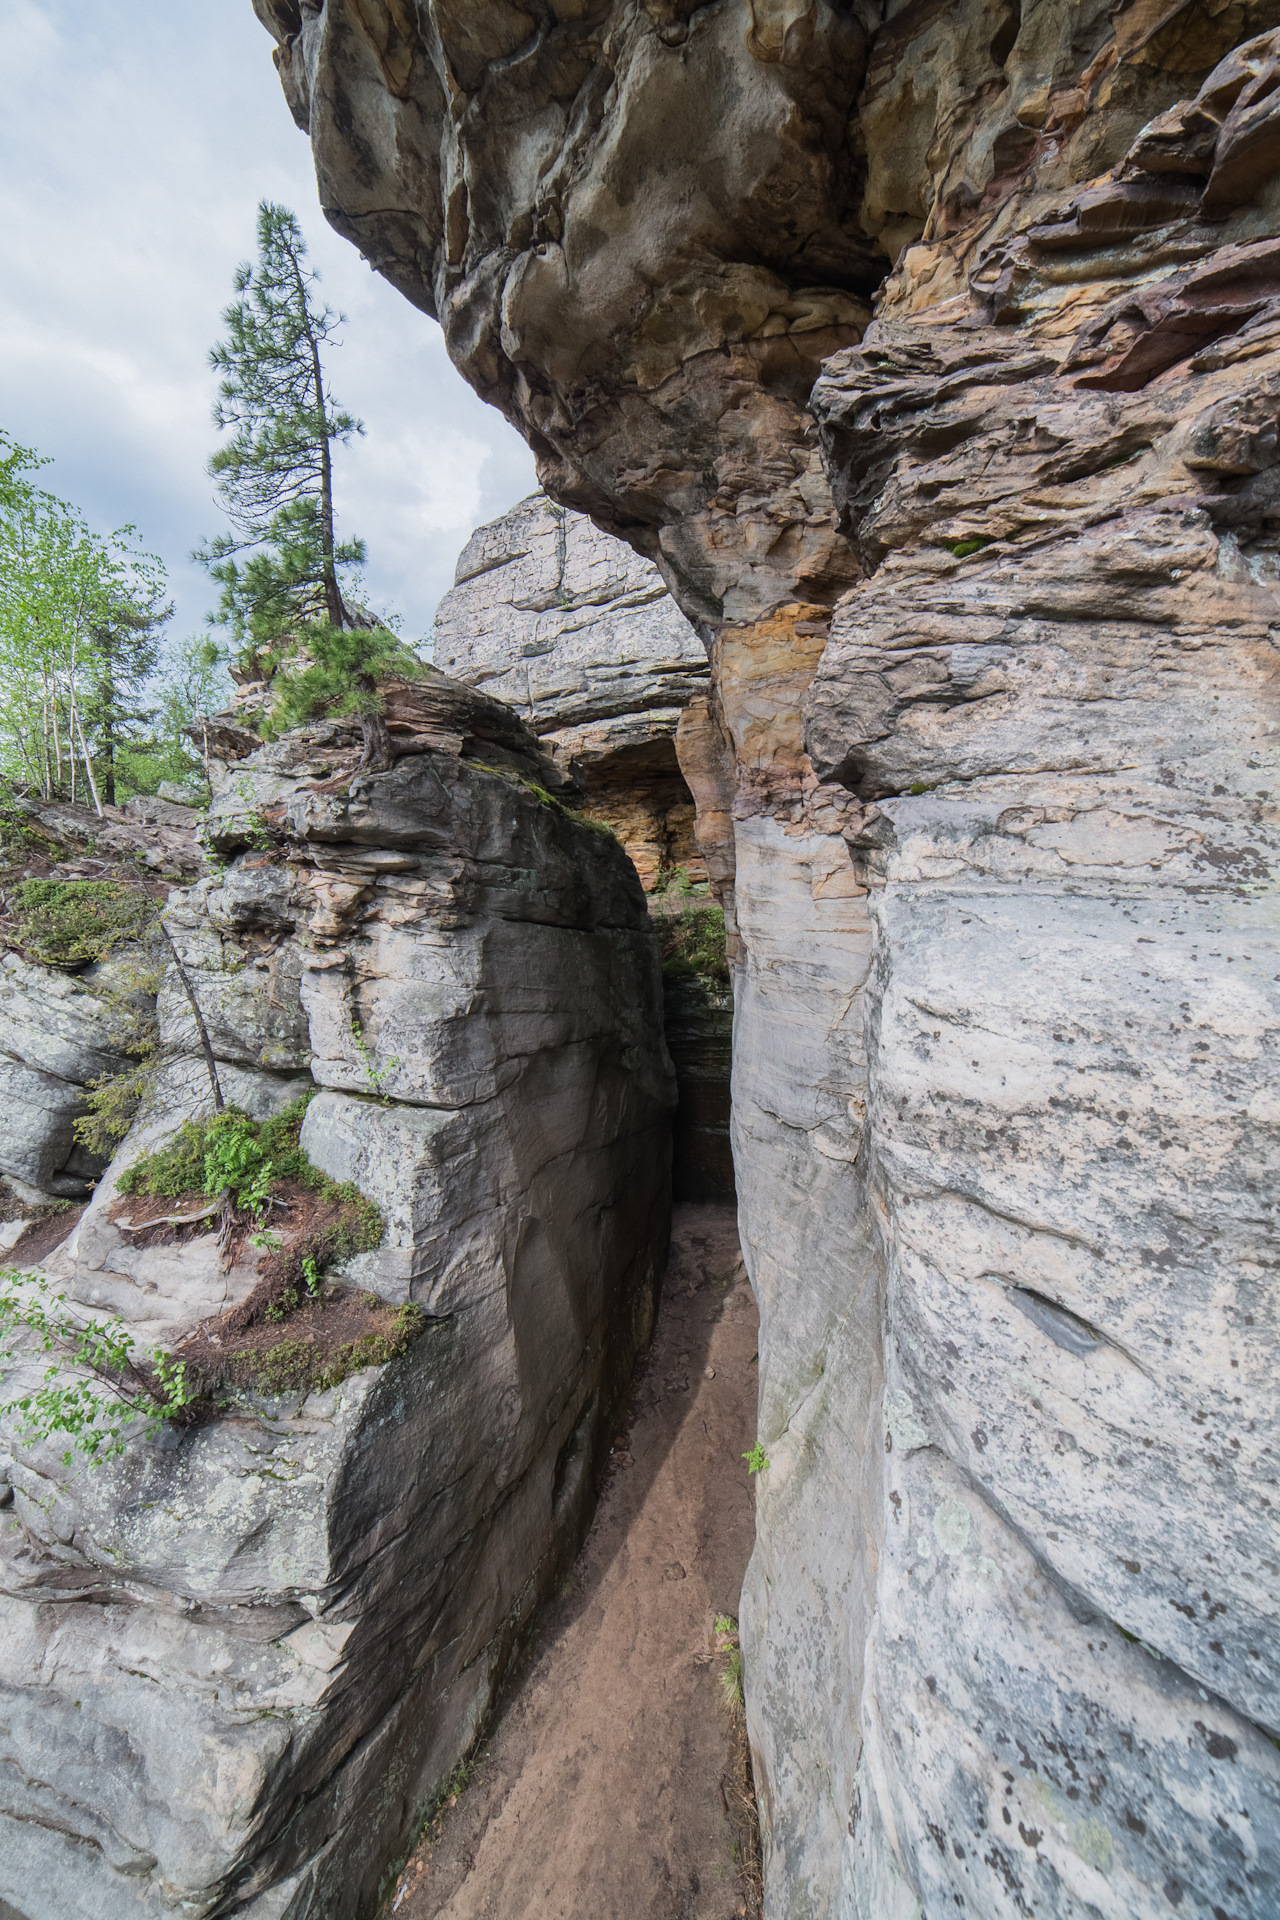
column 240, row 1659
column 62, row 1031
column 577, row 632
column 989, row 587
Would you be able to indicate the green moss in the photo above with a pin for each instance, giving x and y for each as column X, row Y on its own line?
column 293, row 1364
column 963, row 548
column 67, row 923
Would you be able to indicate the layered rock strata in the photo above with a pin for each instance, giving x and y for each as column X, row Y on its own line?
column 239, row 1661
column 576, row 631
column 992, row 612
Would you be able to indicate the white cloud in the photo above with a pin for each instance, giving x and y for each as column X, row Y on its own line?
column 136, row 139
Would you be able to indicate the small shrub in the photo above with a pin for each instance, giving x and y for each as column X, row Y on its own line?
column 96, row 1386
column 229, row 1148
column 69, row 923
column 692, row 942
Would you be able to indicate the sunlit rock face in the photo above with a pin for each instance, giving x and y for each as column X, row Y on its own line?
column 986, row 771
column 239, row 1661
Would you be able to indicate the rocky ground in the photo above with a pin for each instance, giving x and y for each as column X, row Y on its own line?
column 613, row 1783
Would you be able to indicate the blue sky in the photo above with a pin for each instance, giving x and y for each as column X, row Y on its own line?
column 136, row 139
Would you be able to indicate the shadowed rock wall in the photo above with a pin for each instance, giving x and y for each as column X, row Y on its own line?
column 986, row 776
column 239, row 1661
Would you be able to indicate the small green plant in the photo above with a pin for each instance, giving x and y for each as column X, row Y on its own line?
column 692, row 942
column 974, row 544
column 230, row 1147
column 96, row 1386
column 235, row 1163
column 378, row 1076
column 757, row 1460
column 728, row 1647
column 255, row 823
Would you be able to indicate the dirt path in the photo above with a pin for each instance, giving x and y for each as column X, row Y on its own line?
column 612, row 1786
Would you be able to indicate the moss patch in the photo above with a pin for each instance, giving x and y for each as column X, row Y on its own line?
column 70, row 923
column 329, row 1336
column 976, row 542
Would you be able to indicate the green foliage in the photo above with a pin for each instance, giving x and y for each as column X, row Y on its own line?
column 338, row 675
column 229, row 1149
column 354, row 1226
column 191, row 683
column 234, row 1163
column 963, row 548
column 693, row 942
column 117, row 1099
column 230, row 1153
column 757, row 1460
column 96, row 1386
column 291, row 1364
column 728, row 1647
column 378, row 1076
column 66, row 923
column 94, row 697
column 115, row 1102
column 279, row 568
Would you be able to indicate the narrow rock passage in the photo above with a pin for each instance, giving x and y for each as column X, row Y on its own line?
column 609, row 1789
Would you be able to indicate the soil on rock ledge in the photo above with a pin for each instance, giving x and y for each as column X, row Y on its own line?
column 612, row 1785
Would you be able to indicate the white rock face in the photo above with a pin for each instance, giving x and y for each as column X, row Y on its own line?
column 565, row 623
column 237, row 1662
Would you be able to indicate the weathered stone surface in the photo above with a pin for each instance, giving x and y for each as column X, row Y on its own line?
column 1003, row 1111
column 568, row 625
column 239, row 1661
column 57, row 1035
column 63, row 1030
column 577, row 632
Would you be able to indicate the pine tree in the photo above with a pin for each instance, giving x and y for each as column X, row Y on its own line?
column 275, row 475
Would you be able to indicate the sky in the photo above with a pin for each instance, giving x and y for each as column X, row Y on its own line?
column 136, row 139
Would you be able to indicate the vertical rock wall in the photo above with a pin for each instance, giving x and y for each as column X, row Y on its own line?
column 986, row 773
column 238, row 1661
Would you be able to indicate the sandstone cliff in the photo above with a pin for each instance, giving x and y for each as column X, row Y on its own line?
column 576, row 632
column 240, row 1658
column 986, row 772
